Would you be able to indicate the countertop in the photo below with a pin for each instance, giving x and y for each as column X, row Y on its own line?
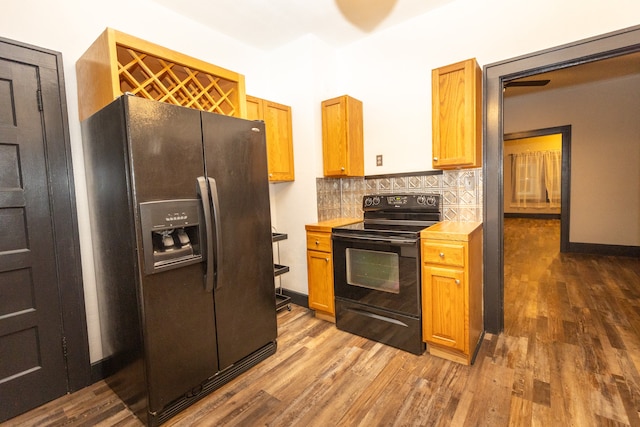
column 326, row 226
column 450, row 230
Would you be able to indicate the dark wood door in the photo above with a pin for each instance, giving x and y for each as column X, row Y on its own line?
column 32, row 361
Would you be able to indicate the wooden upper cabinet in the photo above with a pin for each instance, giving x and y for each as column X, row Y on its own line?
column 342, row 137
column 457, row 115
column 254, row 108
column 277, row 120
column 117, row 63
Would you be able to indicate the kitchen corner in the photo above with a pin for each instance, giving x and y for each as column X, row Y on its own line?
column 374, row 269
column 215, row 217
column 409, row 274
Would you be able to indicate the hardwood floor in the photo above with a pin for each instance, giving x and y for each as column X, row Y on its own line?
column 569, row 356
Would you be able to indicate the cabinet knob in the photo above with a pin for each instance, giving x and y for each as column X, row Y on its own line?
column 317, row 242
column 326, row 259
column 270, row 175
column 441, row 254
column 457, row 281
column 342, row 169
column 435, row 159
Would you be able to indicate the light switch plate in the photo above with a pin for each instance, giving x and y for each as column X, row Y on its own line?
column 468, row 183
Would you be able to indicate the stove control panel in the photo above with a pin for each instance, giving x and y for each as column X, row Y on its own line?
column 401, row 201
column 397, row 200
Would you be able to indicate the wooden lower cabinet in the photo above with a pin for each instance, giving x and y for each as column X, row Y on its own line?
column 452, row 319
column 320, row 266
column 320, row 269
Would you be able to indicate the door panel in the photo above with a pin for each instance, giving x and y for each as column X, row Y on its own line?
column 32, row 368
column 165, row 143
column 235, row 156
column 334, row 136
column 320, row 266
column 277, row 119
column 444, row 321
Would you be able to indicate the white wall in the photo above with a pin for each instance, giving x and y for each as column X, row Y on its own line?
column 605, row 153
column 390, row 72
column 299, row 74
column 70, row 27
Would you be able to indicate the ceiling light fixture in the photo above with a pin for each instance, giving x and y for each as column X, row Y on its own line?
column 365, row 14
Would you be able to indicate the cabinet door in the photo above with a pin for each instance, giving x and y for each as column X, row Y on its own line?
column 342, row 137
column 254, row 108
column 277, row 122
column 443, row 302
column 334, row 137
column 277, row 119
column 457, row 115
column 320, row 269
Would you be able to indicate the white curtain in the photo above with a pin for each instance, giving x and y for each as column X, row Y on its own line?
column 552, row 174
column 535, row 179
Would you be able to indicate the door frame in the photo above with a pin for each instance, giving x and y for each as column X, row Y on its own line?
column 565, row 174
column 495, row 75
column 57, row 147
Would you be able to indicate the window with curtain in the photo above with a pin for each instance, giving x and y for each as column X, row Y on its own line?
column 535, row 179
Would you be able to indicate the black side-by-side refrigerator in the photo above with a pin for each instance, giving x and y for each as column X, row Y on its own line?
column 181, row 229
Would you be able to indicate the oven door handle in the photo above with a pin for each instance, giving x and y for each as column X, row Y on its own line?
column 377, row 316
column 349, row 237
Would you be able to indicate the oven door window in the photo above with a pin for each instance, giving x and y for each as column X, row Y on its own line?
column 373, row 270
column 380, row 274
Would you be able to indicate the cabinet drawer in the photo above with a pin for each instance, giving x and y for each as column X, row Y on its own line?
column 443, row 253
column 319, row 241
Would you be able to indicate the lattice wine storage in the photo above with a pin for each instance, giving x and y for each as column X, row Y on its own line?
column 117, row 63
column 156, row 78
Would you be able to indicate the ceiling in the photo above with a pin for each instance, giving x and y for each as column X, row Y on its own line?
column 616, row 67
column 268, row 24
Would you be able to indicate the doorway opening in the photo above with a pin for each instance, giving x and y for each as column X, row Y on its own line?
column 547, row 140
column 606, row 46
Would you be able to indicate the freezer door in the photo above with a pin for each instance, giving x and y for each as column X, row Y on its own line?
column 178, row 319
column 244, row 294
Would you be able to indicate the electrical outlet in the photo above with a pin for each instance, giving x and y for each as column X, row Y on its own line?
column 379, row 160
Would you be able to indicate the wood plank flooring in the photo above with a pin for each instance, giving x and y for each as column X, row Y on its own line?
column 569, row 356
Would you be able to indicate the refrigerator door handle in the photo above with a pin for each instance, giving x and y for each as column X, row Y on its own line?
column 203, row 191
column 216, row 221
